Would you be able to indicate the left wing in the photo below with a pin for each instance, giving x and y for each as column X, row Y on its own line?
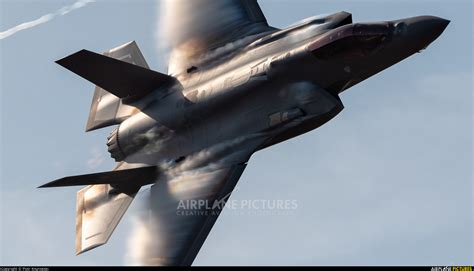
column 175, row 234
column 101, row 205
column 187, row 200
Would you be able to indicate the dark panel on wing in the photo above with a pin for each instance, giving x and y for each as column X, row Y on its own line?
column 117, row 77
column 127, row 177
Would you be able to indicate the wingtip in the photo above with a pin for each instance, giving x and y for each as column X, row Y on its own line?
column 55, row 183
column 63, row 60
column 59, row 61
column 46, row 185
column 80, row 250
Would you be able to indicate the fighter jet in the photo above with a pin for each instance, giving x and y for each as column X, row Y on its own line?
column 235, row 85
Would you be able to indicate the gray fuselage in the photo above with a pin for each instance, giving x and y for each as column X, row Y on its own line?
column 282, row 84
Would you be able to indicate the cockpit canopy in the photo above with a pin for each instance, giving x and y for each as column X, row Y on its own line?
column 318, row 24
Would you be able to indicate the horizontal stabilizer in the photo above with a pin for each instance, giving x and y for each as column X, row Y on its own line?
column 135, row 177
column 117, row 77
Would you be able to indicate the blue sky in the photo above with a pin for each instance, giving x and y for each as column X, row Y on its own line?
column 388, row 181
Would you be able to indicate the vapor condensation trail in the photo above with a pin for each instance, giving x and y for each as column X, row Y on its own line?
column 45, row 18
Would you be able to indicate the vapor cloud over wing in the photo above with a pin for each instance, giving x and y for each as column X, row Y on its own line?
column 45, row 18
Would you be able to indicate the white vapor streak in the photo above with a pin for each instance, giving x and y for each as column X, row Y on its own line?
column 45, row 18
column 187, row 28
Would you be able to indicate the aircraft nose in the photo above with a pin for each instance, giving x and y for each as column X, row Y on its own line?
column 421, row 31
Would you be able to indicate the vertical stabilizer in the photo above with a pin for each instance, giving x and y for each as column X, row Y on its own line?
column 106, row 108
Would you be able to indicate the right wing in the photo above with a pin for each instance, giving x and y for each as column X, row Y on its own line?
column 116, row 76
column 175, row 232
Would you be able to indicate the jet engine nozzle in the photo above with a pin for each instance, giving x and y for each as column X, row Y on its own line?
column 133, row 134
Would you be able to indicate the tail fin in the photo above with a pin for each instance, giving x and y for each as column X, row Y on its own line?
column 106, row 108
column 98, row 213
column 120, row 73
column 101, row 205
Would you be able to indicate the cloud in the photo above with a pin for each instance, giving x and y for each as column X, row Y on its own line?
column 96, row 160
column 44, row 19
